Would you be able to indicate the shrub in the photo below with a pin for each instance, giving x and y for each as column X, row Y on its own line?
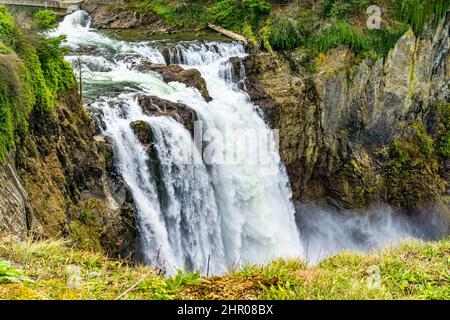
column 341, row 33
column 285, row 34
column 343, row 8
column 45, row 20
column 233, row 13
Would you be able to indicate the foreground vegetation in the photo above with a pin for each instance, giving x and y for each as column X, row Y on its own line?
column 55, row 270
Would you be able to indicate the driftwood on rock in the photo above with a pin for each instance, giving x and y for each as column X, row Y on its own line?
column 229, row 34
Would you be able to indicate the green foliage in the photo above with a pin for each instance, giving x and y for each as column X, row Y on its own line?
column 232, row 13
column 360, row 41
column 45, row 20
column 6, row 25
column 9, row 274
column 265, row 34
column 16, row 101
column 341, row 33
column 248, row 32
column 30, row 79
column 343, row 8
column 340, row 25
column 419, row 12
column 444, row 146
column 285, row 34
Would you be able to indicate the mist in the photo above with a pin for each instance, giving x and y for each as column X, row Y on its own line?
column 325, row 231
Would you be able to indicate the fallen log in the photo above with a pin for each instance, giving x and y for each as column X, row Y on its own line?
column 229, row 34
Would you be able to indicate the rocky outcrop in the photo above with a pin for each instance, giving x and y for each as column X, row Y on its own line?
column 123, row 16
column 16, row 214
column 357, row 133
column 158, row 107
column 190, row 77
column 143, row 132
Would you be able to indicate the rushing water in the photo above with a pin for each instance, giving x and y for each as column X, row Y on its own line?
column 226, row 212
column 200, row 207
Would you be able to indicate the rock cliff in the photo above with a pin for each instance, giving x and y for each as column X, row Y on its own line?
column 354, row 131
column 60, row 181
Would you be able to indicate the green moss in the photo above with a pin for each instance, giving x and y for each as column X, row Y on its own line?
column 412, row 171
column 424, row 141
column 85, row 236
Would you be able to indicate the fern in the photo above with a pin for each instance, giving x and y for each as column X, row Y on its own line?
column 418, row 13
column 248, row 32
column 264, row 34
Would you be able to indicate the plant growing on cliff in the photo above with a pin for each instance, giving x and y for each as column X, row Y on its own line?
column 418, row 13
column 232, row 13
column 264, row 35
column 32, row 74
column 248, row 32
column 443, row 129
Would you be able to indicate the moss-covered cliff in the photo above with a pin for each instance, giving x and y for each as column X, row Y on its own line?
column 56, row 176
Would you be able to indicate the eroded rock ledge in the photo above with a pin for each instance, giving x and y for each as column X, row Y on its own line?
column 190, row 77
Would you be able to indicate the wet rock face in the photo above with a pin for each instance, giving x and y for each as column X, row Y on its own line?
column 190, row 77
column 338, row 124
column 155, row 106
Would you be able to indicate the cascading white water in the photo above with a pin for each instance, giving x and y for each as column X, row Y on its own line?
column 229, row 212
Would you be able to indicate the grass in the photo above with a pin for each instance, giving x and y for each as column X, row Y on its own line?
column 55, row 270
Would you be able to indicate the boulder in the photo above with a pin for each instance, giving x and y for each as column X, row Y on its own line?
column 190, row 77
column 158, row 107
column 142, row 131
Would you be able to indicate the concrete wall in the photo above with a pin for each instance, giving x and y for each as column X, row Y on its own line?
column 33, row 3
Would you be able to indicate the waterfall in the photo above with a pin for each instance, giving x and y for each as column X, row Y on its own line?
column 227, row 210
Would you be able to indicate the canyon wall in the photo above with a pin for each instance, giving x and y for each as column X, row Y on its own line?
column 357, row 131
